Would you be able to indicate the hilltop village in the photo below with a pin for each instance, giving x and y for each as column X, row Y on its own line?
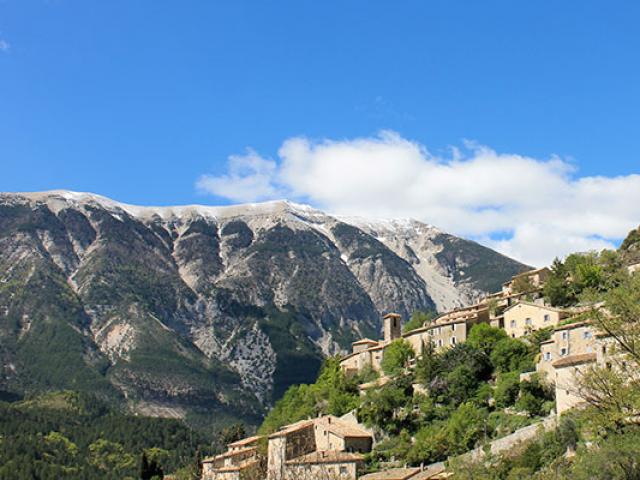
column 329, row 447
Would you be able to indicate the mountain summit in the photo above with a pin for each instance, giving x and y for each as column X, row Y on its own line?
column 205, row 311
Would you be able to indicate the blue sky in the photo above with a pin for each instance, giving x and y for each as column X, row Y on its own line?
column 138, row 100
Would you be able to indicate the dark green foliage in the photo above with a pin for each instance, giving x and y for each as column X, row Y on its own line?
column 507, row 389
column 232, row 433
column 332, row 393
column 419, row 319
column 389, row 408
column 533, row 395
column 510, row 355
column 485, row 337
column 428, row 365
column 71, row 435
column 396, row 357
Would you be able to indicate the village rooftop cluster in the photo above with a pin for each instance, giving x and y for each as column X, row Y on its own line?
column 332, row 448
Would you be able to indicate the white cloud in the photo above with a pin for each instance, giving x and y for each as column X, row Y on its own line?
column 250, row 178
column 545, row 209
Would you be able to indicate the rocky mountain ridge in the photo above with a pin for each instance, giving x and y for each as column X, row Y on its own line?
column 183, row 311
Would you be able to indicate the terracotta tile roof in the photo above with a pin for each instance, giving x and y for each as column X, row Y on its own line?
column 236, row 453
column 392, row 474
column 245, row 441
column 541, row 307
column 330, row 456
column 294, row 427
column 343, row 429
column 569, row 326
column 574, row 360
column 430, row 472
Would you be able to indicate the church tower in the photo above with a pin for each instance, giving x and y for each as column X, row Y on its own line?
column 392, row 327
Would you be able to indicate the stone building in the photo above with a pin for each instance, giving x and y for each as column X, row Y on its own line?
column 524, row 317
column 240, row 456
column 369, row 352
column 325, row 446
column 571, row 349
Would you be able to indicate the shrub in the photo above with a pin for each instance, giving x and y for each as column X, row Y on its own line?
column 396, row 357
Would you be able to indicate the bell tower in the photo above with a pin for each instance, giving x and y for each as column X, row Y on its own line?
column 392, row 327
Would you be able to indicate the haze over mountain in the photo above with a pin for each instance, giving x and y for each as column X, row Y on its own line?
column 209, row 313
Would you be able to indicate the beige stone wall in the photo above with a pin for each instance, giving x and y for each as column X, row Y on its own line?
column 322, row 471
column 544, row 366
column 567, row 387
column 523, row 318
column 276, row 458
column 448, row 335
column 574, row 340
column 361, row 445
column 392, row 328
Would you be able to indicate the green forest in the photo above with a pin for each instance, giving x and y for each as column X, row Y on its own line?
column 70, row 435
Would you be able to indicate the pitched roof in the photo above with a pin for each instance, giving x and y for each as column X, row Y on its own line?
column 342, row 428
column 392, row 474
column 569, row 326
column 574, row 360
column 229, row 454
column 244, row 441
column 330, row 456
column 531, row 304
column 363, row 341
column 392, row 315
column 294, row 427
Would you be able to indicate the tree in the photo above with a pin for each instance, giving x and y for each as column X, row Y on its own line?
column 556, row 290
column 232, row 433
column 510, row 355
column 396, row 357
column 418, row 319
column 485, row 337
column 465, row 427
column 428, row 366
column 507, row 389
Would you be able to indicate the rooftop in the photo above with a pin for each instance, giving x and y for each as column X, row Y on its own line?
column 245, row 441
column 574, row 360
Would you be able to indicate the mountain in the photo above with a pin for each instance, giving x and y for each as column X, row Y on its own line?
column 630, row 247
column 208, row 313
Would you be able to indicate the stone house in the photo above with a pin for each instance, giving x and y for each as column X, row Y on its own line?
column 240, row 456
column 522, row 318
column 571, row 349
column 323, row 446
column 370, row 352
column 535, row 278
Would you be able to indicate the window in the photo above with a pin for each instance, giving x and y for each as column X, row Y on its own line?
column 563, row 351
column 453, row 327
column 565, row 335
column 547, row 317
column 453, row 340
column 513, row 324
column 440, row 342
column 586, row 335
column 528, row 321
column 343, row 470
column 547, row 356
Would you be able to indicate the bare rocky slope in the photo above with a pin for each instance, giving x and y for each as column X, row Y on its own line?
column 208, row 313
